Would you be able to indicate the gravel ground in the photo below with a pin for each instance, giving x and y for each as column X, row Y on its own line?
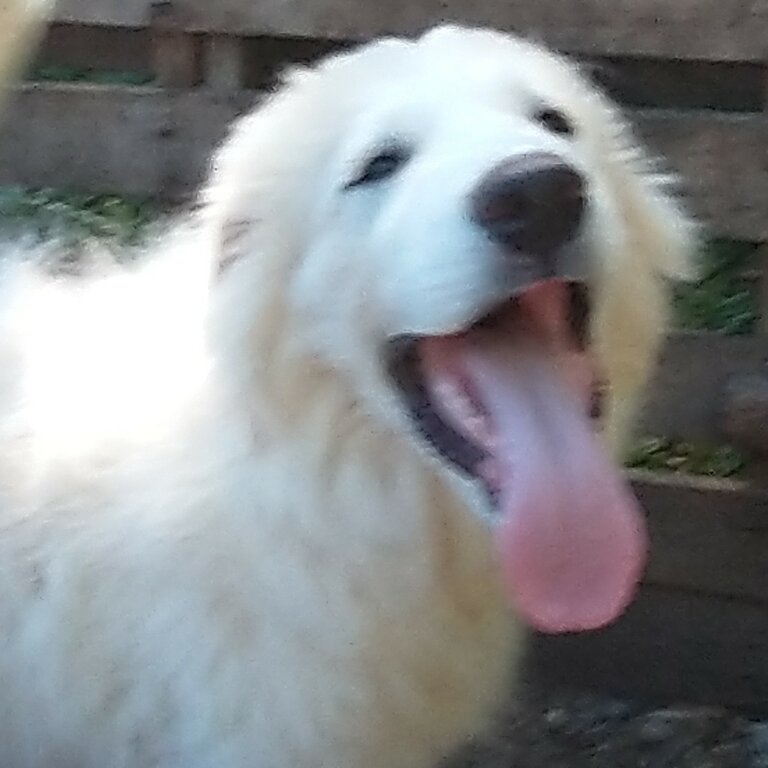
column 566, row 730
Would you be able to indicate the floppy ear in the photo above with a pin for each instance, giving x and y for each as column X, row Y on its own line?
column 657, row 247
column 22, row 23
column 241, row 195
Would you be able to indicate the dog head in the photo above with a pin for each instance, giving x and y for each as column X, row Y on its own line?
column 461, row 232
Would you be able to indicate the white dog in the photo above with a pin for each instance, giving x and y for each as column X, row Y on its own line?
column 267, row 500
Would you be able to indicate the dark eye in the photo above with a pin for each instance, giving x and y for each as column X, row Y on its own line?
column 380, row 166
column 555, row 121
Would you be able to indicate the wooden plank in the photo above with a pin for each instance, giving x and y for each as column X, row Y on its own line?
column 652, row 83
column 104, row 13
column 637, row 82
column 223, row 63
column 265, row 57
column 686, row 398
column 764, row 247
column 726, row 155
column 762, row 286
column 723, row 159
column 707, row 535
column 175, row 53
column 670, row 647
column 95, row 48
column 728, row 30
column 175, row 59
column 60, row 135
column 142, row 141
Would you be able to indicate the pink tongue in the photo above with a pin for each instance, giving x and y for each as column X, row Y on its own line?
column 572, row 537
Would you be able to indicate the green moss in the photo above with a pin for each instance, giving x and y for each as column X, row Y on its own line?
column 75, row 217
column 663, row 454
column 80, row 75
column 723, row 299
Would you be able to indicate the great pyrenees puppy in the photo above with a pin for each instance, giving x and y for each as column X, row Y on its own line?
column 284, row 495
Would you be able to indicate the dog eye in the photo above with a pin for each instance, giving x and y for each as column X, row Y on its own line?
column 555, row 121
column 380, row 166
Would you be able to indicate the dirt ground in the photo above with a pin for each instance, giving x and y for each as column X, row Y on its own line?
column 567, row 730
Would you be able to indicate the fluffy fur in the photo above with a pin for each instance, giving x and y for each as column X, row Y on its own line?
column 221, row 543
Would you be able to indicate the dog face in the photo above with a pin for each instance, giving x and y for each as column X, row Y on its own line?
column 371, row 179
column 463, row 231
column 464, row 180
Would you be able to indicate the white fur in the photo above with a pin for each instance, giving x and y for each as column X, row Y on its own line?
column 221, row 544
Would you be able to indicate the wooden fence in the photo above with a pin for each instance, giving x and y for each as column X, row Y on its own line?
column 694, row 76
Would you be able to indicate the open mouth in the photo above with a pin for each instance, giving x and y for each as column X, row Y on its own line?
column 454, row 421
column 508, row 401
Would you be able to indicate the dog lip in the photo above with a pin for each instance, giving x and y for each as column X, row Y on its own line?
column 519, row 270
column 398, row 344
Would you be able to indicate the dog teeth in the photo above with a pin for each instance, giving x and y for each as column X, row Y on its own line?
column 463, row 411
column 477, row 428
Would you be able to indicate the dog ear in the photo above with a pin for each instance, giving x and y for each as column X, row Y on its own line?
column 233, row 232
column 241, row 196
column 226, row 203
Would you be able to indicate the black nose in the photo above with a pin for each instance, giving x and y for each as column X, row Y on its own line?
column 533, row 203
